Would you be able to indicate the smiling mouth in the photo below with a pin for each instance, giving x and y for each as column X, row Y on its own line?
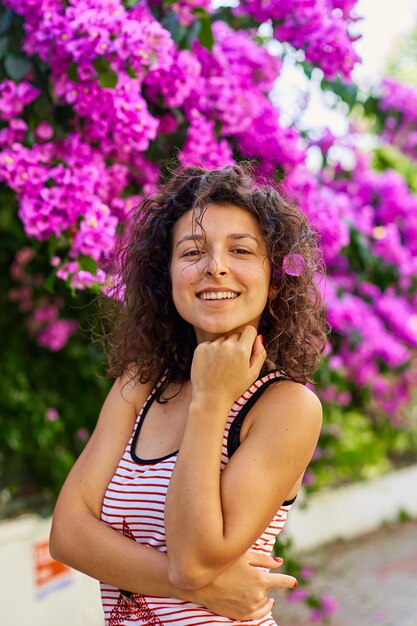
column 217, row 295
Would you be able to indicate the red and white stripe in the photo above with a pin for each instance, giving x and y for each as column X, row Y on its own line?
column 134, row 504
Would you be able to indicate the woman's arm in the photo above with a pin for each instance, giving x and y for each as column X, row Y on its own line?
column 212, row 518
column 78, row 536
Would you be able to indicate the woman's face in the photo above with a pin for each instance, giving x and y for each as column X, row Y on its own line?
column 220, row 277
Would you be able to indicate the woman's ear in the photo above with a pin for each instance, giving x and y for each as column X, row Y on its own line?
column 273, row 292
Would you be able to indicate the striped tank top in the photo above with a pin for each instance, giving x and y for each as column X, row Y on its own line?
column 134, row 505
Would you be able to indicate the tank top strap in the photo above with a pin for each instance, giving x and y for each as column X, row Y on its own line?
column 249, row 398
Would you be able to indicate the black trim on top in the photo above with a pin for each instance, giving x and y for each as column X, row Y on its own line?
column 233, row 439
column 145, row 409
column 288, row 502
column 134, row 456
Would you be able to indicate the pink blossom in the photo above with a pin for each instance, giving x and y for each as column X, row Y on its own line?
column 51, row 415
column 306, row 572
column 328, row 607
column 56, row 335
column 82, row 434
column 67, row 269
column 297, row 595
column 313, row 27
column 45, row 314
column 14, row 97
column 202, row 146
column 293, row 264
column 185, row 10
column 15, row 132
column 44, row 131
column 309, row 478
column 24, row 255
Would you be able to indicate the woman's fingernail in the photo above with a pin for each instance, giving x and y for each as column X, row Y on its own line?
column 278, row 559
column 262, row 339
column 295, row 584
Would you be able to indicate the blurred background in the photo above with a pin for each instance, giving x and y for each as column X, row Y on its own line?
column 95, row 99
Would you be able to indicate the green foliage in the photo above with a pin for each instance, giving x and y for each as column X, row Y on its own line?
column 347, row 92
column 353, row 447
column 37, row 452
column 184, row 36
column 107, row 78
column 388, row 157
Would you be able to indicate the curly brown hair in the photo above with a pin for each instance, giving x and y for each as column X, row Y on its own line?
column 147, row 337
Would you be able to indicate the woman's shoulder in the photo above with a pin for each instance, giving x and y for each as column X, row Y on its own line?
column 286, row 386
column 130, row 388
column 293, row 402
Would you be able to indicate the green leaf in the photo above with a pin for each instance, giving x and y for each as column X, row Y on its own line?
column 88, row 263
column 6, row 21
column 348, row 92
column 4, row 46
column 307, row 68
column 107, row 78
column 49, row 282
column 72, row 72
column 192, row 33
column 205, row 36
column 370, row 106
column 171, row 23
column 16, row 66
column 130, row 71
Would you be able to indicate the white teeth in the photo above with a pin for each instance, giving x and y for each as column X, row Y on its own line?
column 217, row 295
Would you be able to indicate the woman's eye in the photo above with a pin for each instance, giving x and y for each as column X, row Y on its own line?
column 192, row 253
column 242, row 251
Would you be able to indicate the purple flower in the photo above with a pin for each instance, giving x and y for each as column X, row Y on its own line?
column 297, row 595
column 51, row 415
column 82, row 434
column 45, row 314
column 202, row 147
column 14, row 97
column 313, row 27
column 293, row 264
column 44, row 131
column 306, row 572
column 56, row 335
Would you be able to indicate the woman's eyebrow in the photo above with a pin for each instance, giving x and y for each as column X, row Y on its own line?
column 231, row 236
column 242, row 236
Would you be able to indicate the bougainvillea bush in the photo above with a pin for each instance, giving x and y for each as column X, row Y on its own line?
column 96, row 98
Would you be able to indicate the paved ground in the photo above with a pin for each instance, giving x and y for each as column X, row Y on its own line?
column 373, row 578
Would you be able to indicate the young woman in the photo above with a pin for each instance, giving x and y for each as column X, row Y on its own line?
column 203, row 440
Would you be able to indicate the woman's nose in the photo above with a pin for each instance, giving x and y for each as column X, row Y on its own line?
column 216, row 265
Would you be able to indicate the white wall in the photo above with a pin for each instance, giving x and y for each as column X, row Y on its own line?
column 352, row 510
column 67, row 599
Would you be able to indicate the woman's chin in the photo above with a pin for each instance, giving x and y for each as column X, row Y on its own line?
column 211, row 333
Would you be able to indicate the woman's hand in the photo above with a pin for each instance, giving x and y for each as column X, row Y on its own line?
column 228, row 365
column 241, row 592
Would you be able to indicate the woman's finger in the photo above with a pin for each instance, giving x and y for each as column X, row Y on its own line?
column 281, row 581
column 234, row 336
column 263, row 560
column 258, row 355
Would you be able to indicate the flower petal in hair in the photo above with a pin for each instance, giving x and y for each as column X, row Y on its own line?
column 293, row 264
